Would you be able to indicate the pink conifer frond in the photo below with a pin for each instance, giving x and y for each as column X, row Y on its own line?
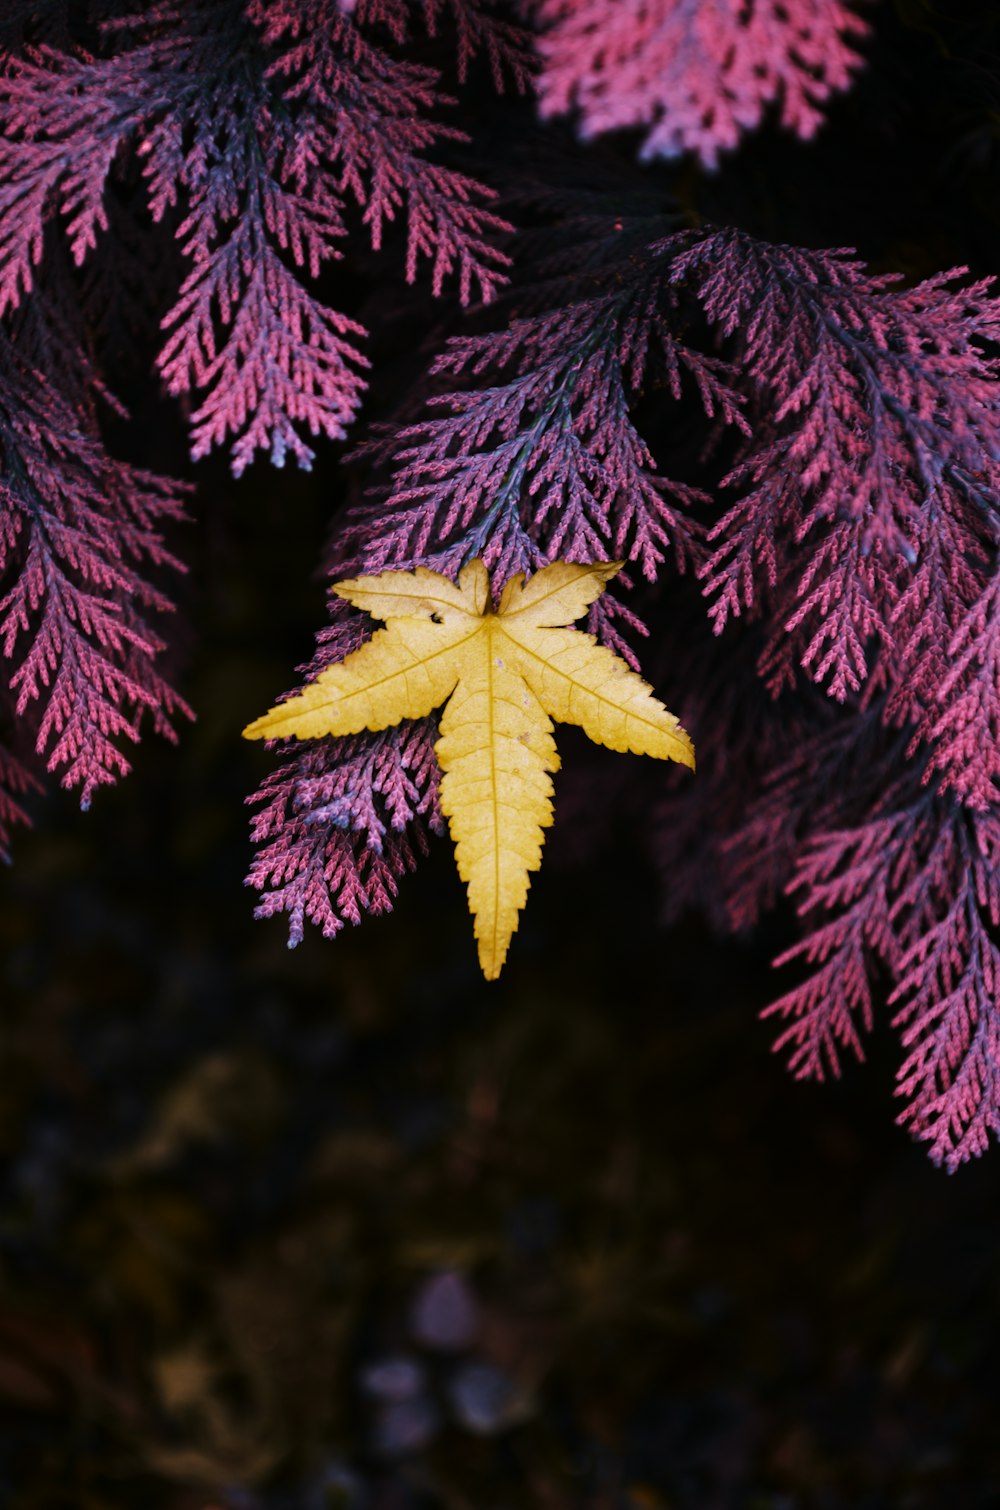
column 913, row 889
column 966, row 734
column 286, row 363
column 333, row 817
column 481, row 29
column 952, row 561
column 536, row 454
column 62, row 129
column 363, row 131
column 262, row 122
column 256, row 131
column 332, row 827
column 695, row 74
column 865, row 537
column 948, row 989
column 77, row 531
column 844, row 878
column 879, row 453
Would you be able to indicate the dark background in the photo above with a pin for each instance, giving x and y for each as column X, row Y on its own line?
column 234, row 1176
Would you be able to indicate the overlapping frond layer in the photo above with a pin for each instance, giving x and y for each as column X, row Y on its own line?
column 695, row 75
column 503, row 675
column 264, row 124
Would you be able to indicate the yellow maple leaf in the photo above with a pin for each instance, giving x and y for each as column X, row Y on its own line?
column 503, row 675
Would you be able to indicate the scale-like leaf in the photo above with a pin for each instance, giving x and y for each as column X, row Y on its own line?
column 504, row 674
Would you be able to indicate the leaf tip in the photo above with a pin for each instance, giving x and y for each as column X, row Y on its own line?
column 269, row 725
column 491, row 961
